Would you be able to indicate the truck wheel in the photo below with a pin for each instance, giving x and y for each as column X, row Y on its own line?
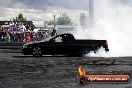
column 37, row 52
column 83, row 53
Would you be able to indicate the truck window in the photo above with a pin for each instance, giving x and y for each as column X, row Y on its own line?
column 57, row 39
column 67, row 38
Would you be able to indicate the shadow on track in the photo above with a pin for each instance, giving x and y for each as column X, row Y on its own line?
column 27, row 56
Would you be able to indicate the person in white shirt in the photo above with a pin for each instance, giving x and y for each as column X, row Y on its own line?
column 22, row 29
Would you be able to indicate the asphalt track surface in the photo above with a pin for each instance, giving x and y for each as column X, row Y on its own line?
column 20, row 71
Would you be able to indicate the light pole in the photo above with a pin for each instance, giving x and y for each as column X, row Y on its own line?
column 54, row 21
column 91, row 12
column 91, row 9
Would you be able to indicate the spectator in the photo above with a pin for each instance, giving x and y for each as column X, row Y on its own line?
column 27, row 38
column 29, row 29
column 44, row 34
column 53, row 32
column 12, row 36
column 22, row 29
column 40, row 36
column 7, row 37
column 33, row 36
column 1, row 37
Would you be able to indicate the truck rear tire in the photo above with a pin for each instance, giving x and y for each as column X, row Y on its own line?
column 83, row 53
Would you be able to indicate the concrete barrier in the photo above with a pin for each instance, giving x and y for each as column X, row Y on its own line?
column 13, row 45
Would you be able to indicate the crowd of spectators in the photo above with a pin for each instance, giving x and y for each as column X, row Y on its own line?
column 18, row 32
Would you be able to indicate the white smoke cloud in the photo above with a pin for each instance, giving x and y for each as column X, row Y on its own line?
column 113, row 22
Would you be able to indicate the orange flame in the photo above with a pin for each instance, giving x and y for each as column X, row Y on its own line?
column 81, row 71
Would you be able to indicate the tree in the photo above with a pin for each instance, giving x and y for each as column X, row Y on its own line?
column 51, row 22
column 62, row 20
column 20, row 17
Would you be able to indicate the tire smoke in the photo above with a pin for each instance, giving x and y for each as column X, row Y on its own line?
column 112, row 22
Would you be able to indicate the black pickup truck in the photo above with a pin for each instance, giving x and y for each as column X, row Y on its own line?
column 63, row 44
